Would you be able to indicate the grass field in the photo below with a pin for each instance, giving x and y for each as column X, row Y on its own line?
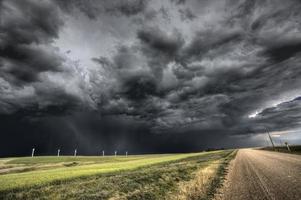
column 165, row 176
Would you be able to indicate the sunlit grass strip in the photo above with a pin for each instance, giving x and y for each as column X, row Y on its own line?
column 55, row 159
column 19, row 180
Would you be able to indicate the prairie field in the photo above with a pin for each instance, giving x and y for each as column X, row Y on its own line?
column 161, row 176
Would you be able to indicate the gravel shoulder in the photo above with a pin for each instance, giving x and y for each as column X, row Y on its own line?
column 258, row 174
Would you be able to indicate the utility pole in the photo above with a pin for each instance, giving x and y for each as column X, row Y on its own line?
column 58, row 153
column 271, row 140
column 287, row 146
column 32, row 152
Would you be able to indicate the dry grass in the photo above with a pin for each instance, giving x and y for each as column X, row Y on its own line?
column 197, row 188
column 207, row 180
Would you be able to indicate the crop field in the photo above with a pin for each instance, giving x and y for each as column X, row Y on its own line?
column 162, row 176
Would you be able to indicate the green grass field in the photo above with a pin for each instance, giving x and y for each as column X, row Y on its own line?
column 133, row 177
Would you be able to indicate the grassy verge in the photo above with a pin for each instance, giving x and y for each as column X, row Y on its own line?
column 206, row 182
column 159, row 180
column 295, row 149
column 220, row 175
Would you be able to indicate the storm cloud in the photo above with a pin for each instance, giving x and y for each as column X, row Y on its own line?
column 197, row 73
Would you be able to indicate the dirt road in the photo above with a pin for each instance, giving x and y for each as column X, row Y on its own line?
column 258, row 174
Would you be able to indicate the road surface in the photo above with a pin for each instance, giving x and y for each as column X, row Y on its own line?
column 258, row 174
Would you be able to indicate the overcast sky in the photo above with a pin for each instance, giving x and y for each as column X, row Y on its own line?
column 148, row 75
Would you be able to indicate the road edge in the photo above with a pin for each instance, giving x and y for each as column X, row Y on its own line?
column 218, row 181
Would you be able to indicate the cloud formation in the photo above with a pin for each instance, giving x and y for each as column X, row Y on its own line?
column 26, row 30
column 181, row 67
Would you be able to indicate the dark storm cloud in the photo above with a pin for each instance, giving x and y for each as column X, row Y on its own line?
column 127, row 8
column 186, row 14
column 162, row 71
column 211, row 40
column 283, row 52
column 26, row 29
column 159, row 48
column 139, row 87
column 20, row 62
column 93, row 8
column 237, row 78
column 29, row 62
column 157, row 40
column 178, row 2
column 219, row 78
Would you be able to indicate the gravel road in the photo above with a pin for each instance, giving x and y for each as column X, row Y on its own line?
column 258, row 174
